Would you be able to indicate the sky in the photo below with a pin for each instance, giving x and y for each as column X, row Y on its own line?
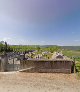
column 40, row 22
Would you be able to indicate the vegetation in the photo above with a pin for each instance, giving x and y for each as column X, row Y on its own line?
column 78, row 67
column 4, row 47
column 22, row 48
column 78, row 75
column 74, row 48
column 34, row 47
column 71, row 53
column 76, row 55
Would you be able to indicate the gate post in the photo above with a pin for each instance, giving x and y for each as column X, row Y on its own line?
column 74, row 66
column 4, row 63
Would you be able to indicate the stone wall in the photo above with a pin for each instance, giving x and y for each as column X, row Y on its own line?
column 3, row 63
column 47, row 66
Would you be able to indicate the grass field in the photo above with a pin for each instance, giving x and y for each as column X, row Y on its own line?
column 71, row 53
column 76, row 55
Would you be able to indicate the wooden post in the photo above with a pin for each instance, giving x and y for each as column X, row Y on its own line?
column 20, row 64
column 74, row 66
column 13, row 64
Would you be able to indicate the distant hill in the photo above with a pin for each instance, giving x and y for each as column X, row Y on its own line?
column 45, row 46
column 62, row 47
column 70, row 47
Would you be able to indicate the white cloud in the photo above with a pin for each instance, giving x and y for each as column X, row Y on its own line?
column 6, row 39
column 18, row 41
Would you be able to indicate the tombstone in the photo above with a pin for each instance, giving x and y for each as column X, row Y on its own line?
column 59, row 57
column 22, row 57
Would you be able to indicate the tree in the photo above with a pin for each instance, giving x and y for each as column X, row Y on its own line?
column 38, row 48
column 4, row 47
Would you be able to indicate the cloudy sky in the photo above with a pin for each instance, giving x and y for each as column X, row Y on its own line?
column 41, row 22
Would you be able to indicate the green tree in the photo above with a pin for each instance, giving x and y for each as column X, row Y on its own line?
column 38, row 48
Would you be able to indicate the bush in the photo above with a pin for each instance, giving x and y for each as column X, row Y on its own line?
column 78, row 75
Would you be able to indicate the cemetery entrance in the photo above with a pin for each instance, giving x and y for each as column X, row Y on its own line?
column 13, row 65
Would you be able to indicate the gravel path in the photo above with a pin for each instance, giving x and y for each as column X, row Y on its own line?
column 38, row 82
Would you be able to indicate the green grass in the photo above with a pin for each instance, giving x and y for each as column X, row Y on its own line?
column 71, row 53
column 78, row 75
column 78, row 66
column 76, row 54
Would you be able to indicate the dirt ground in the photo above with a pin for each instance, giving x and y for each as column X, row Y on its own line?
column 38, row 82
